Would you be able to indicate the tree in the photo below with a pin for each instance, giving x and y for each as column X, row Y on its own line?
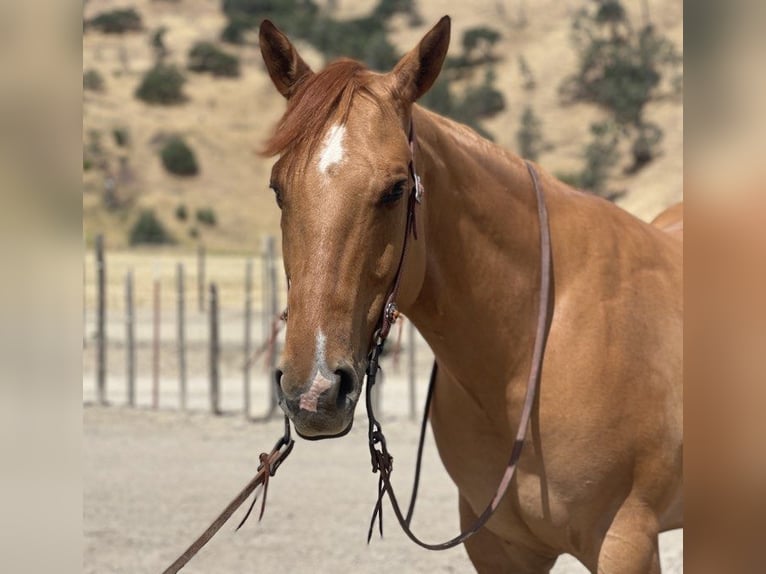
column 620, row 69
column 207, row 57
column 530, row 135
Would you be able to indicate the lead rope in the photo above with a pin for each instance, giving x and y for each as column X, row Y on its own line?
column 381, row 459
column 269, row 464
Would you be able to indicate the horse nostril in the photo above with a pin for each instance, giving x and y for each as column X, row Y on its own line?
column 278, row 379
column 345, row 386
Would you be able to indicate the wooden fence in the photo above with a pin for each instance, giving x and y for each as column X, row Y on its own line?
column 173, row 342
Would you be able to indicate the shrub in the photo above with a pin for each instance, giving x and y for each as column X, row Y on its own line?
column 528, row 79
column 117, row 21
column 480, row 39
column 157, row 42
column 181, row 213
column 178, row 158
column 149, row 230
column 206, row 216
column 620, row 69
column 644, row 147
column 92, row 80
column 163, row 85
column 234, row 31
column 530, row 135
column 193, row 232
column 121, row 137
column 207, row 57
column 601, row 156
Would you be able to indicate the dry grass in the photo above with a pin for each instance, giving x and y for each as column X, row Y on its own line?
column 226, row 120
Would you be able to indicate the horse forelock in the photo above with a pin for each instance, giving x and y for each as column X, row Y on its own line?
column 322, row 99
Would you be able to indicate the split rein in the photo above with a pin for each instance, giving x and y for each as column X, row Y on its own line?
column 381, row 459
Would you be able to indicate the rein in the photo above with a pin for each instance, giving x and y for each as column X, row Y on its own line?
column 269, row 464
column 382, row 461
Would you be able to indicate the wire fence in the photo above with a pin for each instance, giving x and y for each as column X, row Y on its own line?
column 192, row 331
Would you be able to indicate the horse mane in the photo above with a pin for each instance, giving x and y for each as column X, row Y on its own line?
column 319, row 99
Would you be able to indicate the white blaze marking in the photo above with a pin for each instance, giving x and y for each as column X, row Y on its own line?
column 322, row 379
column 332, row 150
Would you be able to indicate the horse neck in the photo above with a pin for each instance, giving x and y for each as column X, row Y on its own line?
column 482, row 273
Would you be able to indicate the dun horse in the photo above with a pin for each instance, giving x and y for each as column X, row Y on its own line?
column 601, row 470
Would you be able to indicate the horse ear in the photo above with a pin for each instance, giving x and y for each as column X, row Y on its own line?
column 417, row 70
column 286, row 68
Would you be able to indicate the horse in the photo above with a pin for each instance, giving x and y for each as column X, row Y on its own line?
column 600, row 473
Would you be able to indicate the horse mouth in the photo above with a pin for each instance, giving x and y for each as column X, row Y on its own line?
column 332, row 421
column 315, row 437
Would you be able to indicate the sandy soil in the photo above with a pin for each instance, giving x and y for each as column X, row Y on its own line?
column 154, row 480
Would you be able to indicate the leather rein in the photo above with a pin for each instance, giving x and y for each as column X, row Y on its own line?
column 382, row 461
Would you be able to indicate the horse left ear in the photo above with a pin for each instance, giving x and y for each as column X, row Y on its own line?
column 418, row 69
column 285, row 66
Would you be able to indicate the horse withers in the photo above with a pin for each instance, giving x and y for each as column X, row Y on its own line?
column 601, row 470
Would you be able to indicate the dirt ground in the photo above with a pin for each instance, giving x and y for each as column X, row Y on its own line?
column 153, row 480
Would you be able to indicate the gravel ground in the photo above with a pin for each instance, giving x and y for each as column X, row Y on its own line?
column 154, row 479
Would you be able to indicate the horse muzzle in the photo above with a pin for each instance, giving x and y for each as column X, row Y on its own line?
column 323, row 408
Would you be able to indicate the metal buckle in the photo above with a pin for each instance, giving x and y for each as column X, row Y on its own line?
column 419, row 189
column 392, row 312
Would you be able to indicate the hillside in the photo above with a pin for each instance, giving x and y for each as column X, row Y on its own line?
column 226, row 120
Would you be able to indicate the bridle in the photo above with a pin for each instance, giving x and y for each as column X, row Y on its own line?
column 382, row 461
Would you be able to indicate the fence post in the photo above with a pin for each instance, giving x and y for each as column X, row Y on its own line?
column 266, row 325
column 181, row 318
column 156, row 345
column 101, row 321
column 214, row 351
column 247, row 343
column 201, row 278
column 271, row 312
column 84, row 308
column 411, row 367
column 130, row 349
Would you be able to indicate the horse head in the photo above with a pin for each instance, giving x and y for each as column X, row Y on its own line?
column 342, row 182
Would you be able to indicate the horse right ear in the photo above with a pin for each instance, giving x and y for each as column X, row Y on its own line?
column 286, row 68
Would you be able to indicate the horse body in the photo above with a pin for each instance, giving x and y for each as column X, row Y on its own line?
column 600, row 473
column 607, row 432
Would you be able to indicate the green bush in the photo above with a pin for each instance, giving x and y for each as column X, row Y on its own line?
column 178, row 158
column 181, row 213
column 528, row 79
column 148, row 229
column 207, row 57
column 206, row 216
column 92, row 80
column 157, row 42
column 620, row 69
column 530, row 135
column 117, row 21
column 601, row 156
column 121, row 137
column 163, row 85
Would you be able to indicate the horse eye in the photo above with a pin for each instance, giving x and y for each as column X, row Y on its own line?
column 394, row 193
